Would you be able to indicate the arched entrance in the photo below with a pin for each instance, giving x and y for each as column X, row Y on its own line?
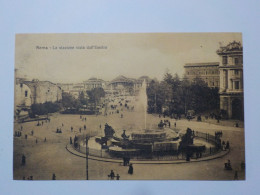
column 237, row 109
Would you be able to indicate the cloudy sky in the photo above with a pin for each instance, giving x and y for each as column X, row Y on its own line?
column 131, row 55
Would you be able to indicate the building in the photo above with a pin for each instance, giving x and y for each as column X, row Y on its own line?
column 43, row 91
column 208, row 72
column 93, row 83
column 121, row 82
column 22, row 101
column 73, row 89
column 231, row 80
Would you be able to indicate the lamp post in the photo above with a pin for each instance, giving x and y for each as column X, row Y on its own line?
column 87, row 138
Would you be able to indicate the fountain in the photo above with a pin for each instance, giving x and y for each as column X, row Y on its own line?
column 141, row 141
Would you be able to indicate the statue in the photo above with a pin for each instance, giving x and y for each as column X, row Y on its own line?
column 187, row 139
column 109, row 131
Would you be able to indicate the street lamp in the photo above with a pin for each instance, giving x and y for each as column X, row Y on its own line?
column 87, row 152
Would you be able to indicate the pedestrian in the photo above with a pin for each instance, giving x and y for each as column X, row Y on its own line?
column 71, row 129
column 53, row 176
column 45, row 139
column 80, row 130
column 32, row 132
column 169, row 124
column 112, row 175
column 21, row 127
column 236, row 176
column 100, row 126
column 117, row 177
column 85, row 127
column 25, row 136
column 62, row 125
column 42, row 123
column 131, row 169
column 23, row 160
column 227, row 145
column 70, row 140
column 36, row 141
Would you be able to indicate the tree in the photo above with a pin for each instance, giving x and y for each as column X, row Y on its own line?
column 96, row 94
column 68, row 101
column 179, row 96
column 82, row 99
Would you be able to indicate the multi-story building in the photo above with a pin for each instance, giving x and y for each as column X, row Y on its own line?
column 94, row 83
column 208, row 72
column 231, row 80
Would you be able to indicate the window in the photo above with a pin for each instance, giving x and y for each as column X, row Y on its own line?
column 236, row 72
column 224, row 60
column 236, row 61
column 236, row 84
column 26, row 93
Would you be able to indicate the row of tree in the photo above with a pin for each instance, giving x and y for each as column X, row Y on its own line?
column 176, row 96
column 68, row 101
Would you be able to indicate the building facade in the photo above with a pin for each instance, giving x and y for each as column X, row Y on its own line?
column 22, row 94
column 208, row 72
column 43, row 91
column 93, row 83
column 231, row 80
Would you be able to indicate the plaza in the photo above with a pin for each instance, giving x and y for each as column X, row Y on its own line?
column 47, row 157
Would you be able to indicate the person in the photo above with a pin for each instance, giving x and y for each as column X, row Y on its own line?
column 25, row 136
column 112, row 175
column 70, row 140
column 36, row 141
column 53, row 176
column 235, row 176
column 227, row 145
column 117, row 177
column 131, row 169
column 71, row 129
column 85, row 127
column 45, row 139
column 80, row 130
column 32, row 132
column 100, row 126
column 228, row 165
column 23, row 160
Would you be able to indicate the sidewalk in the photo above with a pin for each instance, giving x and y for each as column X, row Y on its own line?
column 70, row 149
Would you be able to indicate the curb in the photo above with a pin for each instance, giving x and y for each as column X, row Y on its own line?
column 213, row 157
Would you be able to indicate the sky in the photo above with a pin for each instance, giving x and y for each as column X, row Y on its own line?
column 106, row 56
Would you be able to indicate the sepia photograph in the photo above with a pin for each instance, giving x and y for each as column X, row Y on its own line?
column 129, row 106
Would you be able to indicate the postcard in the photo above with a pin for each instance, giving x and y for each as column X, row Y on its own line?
column 129, row 106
